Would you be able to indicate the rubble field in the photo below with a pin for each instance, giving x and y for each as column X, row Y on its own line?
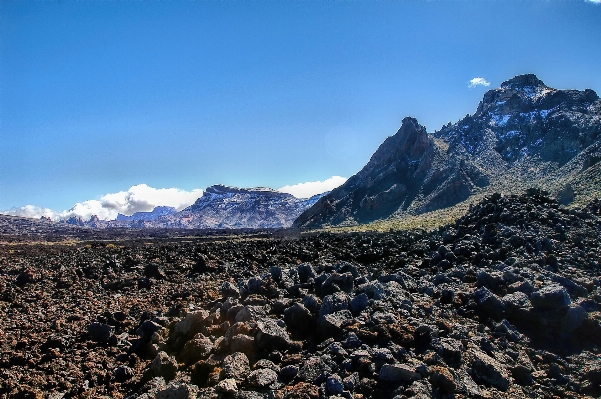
column 503, row 303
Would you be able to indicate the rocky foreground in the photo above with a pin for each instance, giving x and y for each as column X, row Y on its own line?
column 502, row 304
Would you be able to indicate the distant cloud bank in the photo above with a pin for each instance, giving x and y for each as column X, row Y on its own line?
column 143, row 198
column 139, row 198
column 593, row 1
column 479, row 81
column 309, row 189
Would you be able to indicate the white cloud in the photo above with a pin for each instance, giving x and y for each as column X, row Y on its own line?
column 309, row 189
column 31, row 211
column 593, row 1
column 142, row 198
column 479, row 81
column 139, row 198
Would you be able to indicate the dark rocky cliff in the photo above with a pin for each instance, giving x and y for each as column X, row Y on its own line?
column 409, row 170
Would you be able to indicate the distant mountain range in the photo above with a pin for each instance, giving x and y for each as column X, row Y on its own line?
column 220, row 207
column 148, row 216
column 522, row 134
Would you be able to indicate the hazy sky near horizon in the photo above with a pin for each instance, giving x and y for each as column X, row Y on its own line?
column 99, row 97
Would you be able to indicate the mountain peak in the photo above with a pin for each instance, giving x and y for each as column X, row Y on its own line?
column 521, row 81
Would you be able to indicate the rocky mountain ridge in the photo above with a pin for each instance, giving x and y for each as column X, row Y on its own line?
column 152, row 215
column 220, row 207
column 231, row 207
column 522, row 134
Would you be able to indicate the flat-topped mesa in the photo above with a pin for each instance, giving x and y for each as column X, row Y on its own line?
column 232, row 207
column 222, row 189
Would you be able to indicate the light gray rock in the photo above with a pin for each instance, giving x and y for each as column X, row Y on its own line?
column 334, row 303
column 227, row 386
column 271, row 336
column 164, row 366
column 262, row 378
column 399, row 373
column 236, row 366
column 192, row 323
column 550, row 297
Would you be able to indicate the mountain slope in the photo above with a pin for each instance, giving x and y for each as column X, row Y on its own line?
column 152, row 215
column 410, row 171
column 230, row 207
column 523, row 133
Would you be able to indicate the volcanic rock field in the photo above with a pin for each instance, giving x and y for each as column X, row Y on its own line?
column 502, row 303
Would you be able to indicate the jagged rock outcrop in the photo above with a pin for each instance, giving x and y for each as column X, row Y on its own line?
column 526, row 118
column 410, row 171
column 75, row 221
column 522, row 134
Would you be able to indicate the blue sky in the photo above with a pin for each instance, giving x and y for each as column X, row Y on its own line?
column 97, row 97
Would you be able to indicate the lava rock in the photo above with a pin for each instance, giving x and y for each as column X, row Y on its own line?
column 488, row 370
column 227, row 386
column 398, row 373
column 100, row 332
column 262, row 378
column 330, row 325
column 177, row 391
column 236, row 366
column 334, row 303
column 550, row 297
column 298, row 318
column 192, row 323
column 164, row 366
column 271, row 335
